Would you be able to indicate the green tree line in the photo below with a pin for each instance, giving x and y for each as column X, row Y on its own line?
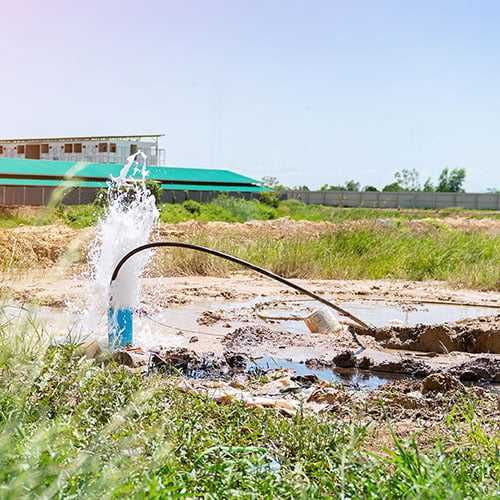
column 450, row 180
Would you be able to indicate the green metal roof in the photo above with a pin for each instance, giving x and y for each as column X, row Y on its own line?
column 98, row 171
column 173, row 187
column 51, row 183
column 213, row 187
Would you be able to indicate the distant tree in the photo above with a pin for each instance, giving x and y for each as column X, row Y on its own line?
column 352, row 185
column 274, row 184
column 370, row 188
column 301, row 188
column 409, row 180
column 451, row 181
column 348, row 186
column 428, row 186
column 332, row 187
column 393, row 187
column 492, row 190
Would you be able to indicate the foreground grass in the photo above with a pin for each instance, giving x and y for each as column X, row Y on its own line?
column 70, row 428
column 368, row 252
column 231, row 209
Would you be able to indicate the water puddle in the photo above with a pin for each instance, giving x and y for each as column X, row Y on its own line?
column 376, row 313
column 166, row 326
column 358, row 379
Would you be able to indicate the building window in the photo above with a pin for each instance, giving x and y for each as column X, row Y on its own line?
column 112, row 148
column 20, row 150
column 44, row 149
column 133, row 149
column 77, row 148
column 103, row 147
column 68, row 148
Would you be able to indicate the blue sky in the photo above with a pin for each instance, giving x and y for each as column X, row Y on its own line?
column 311, row 92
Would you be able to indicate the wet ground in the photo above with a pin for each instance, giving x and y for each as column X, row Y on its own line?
column 418, row 329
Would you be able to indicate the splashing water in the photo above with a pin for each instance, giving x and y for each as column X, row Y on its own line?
column 129, row 220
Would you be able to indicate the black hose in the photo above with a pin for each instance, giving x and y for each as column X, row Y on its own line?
column 242, row 262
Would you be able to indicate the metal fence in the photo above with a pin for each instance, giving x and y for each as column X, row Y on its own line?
column 42, row 195
column 477, row 201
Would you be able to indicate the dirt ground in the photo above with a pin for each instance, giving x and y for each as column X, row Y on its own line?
column 223, row 315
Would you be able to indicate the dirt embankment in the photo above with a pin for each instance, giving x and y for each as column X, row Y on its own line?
column 478, row 335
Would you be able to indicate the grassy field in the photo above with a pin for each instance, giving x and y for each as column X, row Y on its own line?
column 71, row 428
column 228, row 209
column 367, row 252
column 366, row 244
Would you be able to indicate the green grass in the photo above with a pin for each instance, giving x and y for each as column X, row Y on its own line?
column 232, row 209
column 71, row 428
column 369, row 252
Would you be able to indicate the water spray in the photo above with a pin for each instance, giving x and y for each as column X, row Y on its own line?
column 130, row 218
column 121, row 322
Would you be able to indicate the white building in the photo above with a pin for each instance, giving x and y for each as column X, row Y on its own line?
column 95, row 149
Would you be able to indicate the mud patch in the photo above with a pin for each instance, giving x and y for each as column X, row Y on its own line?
column 477, row 370
column 481, row 335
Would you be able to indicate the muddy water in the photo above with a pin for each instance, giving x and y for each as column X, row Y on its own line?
column 358, row 379
column 381, row 314
column 179, row 326
column 166, row 323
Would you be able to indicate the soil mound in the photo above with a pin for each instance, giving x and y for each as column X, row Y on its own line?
column 481, row 335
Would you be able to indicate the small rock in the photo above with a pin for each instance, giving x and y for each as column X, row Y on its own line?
column 440, row 382
column 345, row 359
column 235, row 360
column 364, row 363
column 194, row 338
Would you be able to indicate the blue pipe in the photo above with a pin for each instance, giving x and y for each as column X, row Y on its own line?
column 120, row 328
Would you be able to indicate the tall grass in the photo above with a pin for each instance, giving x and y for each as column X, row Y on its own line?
column 74, row 428
column 369, row 252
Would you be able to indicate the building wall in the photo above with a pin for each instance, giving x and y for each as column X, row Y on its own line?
column 112, row 151
column 42, row 195
column 481, row 201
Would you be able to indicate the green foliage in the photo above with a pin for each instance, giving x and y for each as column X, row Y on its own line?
column 193, row 207
column 271, row 198
column 408, row 180
column 274, row 184
column 428, row 186
column 352, row 186
column 154, row 187
column 101, row 198
column 393, row 187
column 80, row 216
column 223, row 208
column 74, row 428
column 451, row 180
column 348, row 186
column 370, row 188
column 369, row 251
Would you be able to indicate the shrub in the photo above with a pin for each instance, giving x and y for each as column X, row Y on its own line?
column 154, row 187
column 193, row 207
column 270, row 198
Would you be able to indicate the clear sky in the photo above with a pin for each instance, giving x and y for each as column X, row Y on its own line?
column 311, row 92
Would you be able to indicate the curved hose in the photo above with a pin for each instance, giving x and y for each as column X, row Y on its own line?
column 244, row 263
